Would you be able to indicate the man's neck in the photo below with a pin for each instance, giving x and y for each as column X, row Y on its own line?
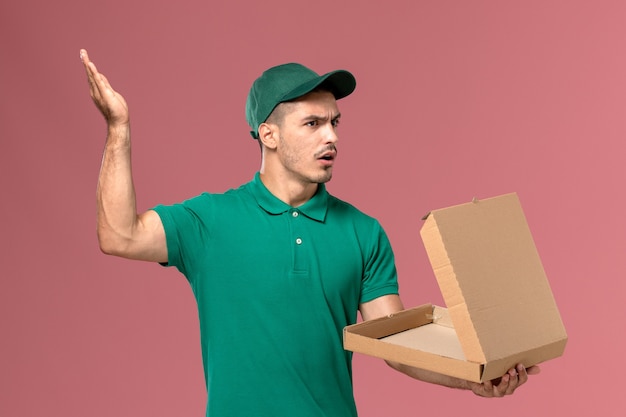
column 289, row 191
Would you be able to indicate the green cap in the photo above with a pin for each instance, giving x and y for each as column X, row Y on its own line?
column 287, row 82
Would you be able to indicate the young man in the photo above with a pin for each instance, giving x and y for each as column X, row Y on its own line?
column 278, row 266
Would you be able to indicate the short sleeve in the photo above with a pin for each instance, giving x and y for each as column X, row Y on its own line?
column 380, row 276
column 185, row 229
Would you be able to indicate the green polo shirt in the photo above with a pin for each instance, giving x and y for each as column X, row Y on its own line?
column 275, row 285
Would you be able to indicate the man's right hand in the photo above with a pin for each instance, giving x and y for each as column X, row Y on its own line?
column 110, row 103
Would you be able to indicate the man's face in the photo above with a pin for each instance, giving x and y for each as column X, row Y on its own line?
column 306, row 146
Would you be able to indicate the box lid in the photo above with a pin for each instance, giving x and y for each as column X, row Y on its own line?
column 491, row 278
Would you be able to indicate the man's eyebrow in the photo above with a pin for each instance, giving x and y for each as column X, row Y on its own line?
column 320, row 117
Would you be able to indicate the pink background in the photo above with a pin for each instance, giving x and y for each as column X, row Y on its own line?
column 454, row 100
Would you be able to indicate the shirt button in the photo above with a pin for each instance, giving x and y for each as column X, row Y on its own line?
column 298, row 241
column 294, row 214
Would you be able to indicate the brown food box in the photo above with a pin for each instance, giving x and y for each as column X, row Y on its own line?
column 500, row 308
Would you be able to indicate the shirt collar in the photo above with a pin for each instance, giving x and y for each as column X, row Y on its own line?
column 315, row 208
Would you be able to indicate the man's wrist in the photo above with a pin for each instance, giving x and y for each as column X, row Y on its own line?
column 118, row 137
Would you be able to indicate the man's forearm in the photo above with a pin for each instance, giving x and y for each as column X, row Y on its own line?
column 116, row 202
column 506, row 385
column 430, row 377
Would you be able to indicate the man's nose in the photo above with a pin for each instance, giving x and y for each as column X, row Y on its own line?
column 330, row 134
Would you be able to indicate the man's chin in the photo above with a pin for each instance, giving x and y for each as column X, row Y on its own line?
column 325, row 178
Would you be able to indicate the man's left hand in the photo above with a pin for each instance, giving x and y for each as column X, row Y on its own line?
column 505, row 385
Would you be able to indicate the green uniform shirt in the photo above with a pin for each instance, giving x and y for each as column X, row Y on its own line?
column 275, row 285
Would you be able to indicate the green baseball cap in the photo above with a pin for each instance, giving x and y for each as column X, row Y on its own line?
column 287, row 82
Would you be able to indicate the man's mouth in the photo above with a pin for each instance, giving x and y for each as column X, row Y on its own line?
column 328, row 155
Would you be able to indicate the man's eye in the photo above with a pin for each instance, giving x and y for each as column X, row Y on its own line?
column 312, row 123
column 335, row 122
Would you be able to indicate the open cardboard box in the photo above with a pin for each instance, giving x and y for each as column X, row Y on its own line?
column 500, row 309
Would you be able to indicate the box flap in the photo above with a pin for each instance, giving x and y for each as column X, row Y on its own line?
column 491, row 278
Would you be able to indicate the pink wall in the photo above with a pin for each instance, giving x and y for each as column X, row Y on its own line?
column 454, row 100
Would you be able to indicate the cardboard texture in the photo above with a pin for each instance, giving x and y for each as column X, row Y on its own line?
column 500, row 308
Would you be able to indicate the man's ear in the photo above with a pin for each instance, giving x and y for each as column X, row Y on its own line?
column 268, row 134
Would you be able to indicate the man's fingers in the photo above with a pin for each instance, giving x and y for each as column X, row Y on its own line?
column 104, row 84
column 514, row 381
column 515, row 378
column 96, row 80
column 83, row 55
column 98, row 83
column 506, row 385
column 89, row 69
column 92, row 74
column 503, row 387
column 533, row 370
column 522, row 374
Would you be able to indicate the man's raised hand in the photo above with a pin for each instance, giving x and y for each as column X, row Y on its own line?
column 110, row 103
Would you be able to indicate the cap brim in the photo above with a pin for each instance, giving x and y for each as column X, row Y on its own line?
column 340, row 82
